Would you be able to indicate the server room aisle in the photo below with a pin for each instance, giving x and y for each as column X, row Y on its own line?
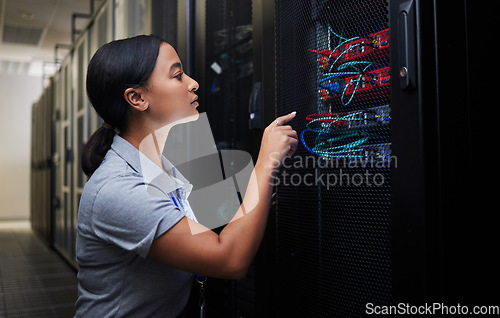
column 34, row 280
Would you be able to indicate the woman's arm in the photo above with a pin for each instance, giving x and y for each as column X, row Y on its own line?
column 229, row 254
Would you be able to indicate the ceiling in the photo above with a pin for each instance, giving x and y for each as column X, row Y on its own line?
column 30, row 30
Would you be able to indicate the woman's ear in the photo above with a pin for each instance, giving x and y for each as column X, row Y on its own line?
column 135, row 99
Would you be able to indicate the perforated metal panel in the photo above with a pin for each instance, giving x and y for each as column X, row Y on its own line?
column 334, row 202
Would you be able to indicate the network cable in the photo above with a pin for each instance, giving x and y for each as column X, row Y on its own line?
column 346, row 148
column 345, row 74
column 340, row 87
column 330, row 147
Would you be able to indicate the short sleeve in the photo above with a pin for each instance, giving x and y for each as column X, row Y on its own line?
column 126, row 213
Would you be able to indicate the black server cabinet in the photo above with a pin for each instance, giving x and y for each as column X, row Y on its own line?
column 228, row 71
column 334, row 195
column 225, row 73
column 377, row 206
column 164, row 20
column 225, row 50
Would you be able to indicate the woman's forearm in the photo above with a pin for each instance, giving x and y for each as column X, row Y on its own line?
column 242, row 236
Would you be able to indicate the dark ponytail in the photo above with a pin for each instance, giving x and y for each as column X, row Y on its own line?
column 116, row 66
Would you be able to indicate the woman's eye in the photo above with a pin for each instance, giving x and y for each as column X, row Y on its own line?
column 179, row 77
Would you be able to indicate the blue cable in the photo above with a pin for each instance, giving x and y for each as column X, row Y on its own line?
column 304, row 142
column 344, row 52
column 337, row 87
column 346, row 149
column 339, row 36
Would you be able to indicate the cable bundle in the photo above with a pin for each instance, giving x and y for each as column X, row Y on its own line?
column 346, row 71
column 349, row 70
column 329, row 143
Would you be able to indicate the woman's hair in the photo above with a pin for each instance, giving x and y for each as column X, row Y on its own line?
column 116, row 66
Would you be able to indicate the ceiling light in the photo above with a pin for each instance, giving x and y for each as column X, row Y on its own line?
column 26, row 15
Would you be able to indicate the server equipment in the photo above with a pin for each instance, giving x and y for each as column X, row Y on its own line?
column 40, row 177
column 334, row 205
column 374, row 208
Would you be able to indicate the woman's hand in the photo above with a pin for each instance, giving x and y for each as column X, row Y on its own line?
column 279, row 140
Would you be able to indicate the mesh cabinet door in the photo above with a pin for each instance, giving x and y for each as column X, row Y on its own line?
column 334, row 195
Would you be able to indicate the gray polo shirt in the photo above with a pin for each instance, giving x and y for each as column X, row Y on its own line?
column 125, row 205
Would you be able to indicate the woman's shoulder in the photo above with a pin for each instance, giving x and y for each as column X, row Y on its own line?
column 112, row 172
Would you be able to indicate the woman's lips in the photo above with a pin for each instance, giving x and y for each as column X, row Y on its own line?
column 195, row 102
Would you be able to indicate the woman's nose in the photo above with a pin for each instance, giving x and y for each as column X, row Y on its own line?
column 193, row 85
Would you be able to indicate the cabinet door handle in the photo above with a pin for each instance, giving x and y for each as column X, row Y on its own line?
column 407, row 45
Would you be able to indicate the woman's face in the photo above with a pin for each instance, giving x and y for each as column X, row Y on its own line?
column 170, row 93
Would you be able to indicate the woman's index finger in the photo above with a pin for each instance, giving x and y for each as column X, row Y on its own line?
column 286, row 118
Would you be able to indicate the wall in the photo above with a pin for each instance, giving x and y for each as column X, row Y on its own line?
column 17, row 94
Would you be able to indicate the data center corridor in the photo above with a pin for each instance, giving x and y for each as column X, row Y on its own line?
column 34, row 280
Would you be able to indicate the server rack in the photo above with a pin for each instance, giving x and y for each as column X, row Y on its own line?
column 231, row 58
column 222, row 63
column 62, row 237
column 58, row 220
column 165, row 21
column 388, row 83
column 333, row 229
column 73, row 122
column 80, row 131
column 40, row 177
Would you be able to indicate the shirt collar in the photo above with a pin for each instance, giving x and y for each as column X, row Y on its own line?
column 167, row 180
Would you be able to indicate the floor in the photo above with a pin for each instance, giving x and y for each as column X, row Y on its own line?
column 34, row 280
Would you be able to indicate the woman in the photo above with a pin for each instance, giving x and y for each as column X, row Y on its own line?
column 138, row 251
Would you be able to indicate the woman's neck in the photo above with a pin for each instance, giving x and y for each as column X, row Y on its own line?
column 149, row 143
column 150, row 139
